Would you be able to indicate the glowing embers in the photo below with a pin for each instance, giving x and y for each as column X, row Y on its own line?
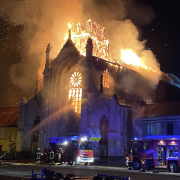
column 81, row 31
column 106, row 79
column 75, row 90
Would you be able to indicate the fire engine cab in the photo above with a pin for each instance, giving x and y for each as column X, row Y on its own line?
column 156, row 151
column 75, row 149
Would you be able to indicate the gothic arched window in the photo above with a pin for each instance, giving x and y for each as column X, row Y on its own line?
column 36, row 133
column 75, row 90
column 127, row 84
column 106, row 79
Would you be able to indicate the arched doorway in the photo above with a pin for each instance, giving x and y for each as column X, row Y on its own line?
column 103, row 143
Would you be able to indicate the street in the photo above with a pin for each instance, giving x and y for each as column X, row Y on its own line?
column 24, row 170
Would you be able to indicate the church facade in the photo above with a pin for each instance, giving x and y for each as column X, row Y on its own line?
column 81, row 92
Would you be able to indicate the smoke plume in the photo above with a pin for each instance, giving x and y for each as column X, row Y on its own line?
column 45, row 21
column 122, row 32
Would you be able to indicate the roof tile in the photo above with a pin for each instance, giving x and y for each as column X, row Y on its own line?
column 9, row 116
column 162, row 109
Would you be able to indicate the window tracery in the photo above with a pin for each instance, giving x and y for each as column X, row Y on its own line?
column 106, row 79
column 75, row 90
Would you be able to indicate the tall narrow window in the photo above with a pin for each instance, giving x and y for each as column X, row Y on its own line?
column 106, row 79
column 75, row 90
column 149, row 129
column 169, row 128
column 36, row 133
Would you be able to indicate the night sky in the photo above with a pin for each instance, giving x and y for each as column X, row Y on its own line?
column 162, row 34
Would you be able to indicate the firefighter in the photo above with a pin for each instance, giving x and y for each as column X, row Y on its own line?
column 130, row 163
column 51, row 157
column 38, row 156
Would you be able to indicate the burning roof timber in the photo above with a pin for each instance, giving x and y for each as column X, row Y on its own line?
column 79, row 32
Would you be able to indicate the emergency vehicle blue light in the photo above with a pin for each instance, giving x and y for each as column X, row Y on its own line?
column 62, row 140
column 135, row 138
column 161, row 137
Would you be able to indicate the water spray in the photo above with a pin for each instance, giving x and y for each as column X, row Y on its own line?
column 42, row 123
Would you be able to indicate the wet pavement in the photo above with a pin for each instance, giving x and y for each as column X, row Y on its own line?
column 24, row 170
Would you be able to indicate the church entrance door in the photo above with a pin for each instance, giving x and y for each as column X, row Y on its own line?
column 103, row 143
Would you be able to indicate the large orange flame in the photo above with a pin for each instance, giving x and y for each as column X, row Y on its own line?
column 129, row 57
column 81, row 31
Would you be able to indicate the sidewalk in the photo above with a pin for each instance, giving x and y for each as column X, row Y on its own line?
column 33, row 162
column 11, row 178
column 20, row 162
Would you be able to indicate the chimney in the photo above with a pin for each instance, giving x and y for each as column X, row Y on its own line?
column 101, row 84
column 89, row 49
column 142, row 103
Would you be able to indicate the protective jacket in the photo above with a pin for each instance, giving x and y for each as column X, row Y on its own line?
column 51, row 154
column 38, row 154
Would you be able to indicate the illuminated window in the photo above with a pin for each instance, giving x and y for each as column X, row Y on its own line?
column 106, row 79
column 127, row 84
column 75, row 90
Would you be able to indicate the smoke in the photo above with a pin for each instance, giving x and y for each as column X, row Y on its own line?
column 137, row 113
column 122, row 32
column 45, row 21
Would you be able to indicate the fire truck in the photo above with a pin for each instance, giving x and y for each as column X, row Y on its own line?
column 156, row 152
column 75, row 149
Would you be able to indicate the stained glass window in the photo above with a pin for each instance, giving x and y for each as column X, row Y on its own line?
column 75, row 90
column 106, row 79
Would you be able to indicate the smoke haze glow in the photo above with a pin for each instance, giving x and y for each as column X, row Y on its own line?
column 46, row 22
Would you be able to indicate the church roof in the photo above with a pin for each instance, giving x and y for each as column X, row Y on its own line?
column 9, row 116
column 69, row 49
column 162, row 109
column 69, row 43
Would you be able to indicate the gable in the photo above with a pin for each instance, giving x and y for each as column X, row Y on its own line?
column 101, row 104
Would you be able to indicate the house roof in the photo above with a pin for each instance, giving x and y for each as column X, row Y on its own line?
column 9, row 116
column 162, row 109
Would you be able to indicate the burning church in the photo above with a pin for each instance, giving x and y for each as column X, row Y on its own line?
column 84, row 88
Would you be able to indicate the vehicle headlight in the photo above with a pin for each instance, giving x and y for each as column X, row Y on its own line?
column 78, row 158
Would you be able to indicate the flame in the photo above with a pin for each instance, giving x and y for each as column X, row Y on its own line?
column 129, row 57
column 75, row 90
column 69, row 25
column 81, row 31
